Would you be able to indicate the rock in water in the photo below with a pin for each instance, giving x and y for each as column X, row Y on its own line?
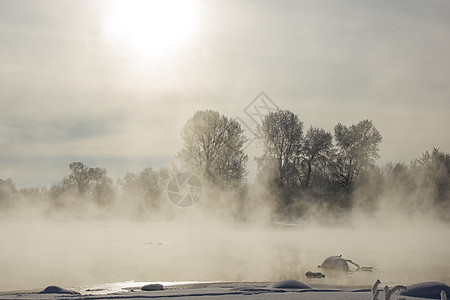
column 53, row 289
column 290, row 284
column 153, row 287
column 311, row 274
column 430, row 290
column 335, row 263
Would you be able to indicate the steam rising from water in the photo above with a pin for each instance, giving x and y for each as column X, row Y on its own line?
column 36, row 253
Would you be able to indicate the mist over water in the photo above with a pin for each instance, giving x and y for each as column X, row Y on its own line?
column 196, row 246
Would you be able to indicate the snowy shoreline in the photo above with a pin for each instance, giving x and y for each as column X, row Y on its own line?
column 288, row 289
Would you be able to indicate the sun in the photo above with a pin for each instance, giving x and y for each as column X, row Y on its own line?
column 151, row 28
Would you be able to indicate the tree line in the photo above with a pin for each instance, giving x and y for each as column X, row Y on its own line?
column 298, row 168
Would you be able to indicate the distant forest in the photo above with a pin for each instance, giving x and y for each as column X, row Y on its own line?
column 302, row 172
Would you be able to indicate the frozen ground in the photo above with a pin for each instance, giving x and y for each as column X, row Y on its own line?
column 230, row 290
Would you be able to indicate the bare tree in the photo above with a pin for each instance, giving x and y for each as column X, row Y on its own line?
column 433, row 170
column 357, row 149
column 86, row 180
column 281, row 136
column 79, row 177
column 314, row 155
column 148, row 185
column 213, row 146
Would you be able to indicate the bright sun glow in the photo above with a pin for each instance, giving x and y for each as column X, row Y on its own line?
column 151, row 28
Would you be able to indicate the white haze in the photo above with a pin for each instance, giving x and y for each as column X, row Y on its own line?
column 66, row 95
column 195, row 244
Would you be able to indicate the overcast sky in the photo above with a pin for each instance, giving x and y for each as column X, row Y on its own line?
column 111, row 84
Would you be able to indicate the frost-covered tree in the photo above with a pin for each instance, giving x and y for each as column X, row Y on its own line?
column 148, row 185
column 213, row 147
column 281, row 137
column 432, row 171
column 84, row 181
column 314, row 155
column 79, row 177
column 356, row 150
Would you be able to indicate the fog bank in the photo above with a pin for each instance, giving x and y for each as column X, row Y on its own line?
column 195, row 246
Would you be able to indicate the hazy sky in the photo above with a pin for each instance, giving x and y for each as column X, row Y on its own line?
column 111, row 83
